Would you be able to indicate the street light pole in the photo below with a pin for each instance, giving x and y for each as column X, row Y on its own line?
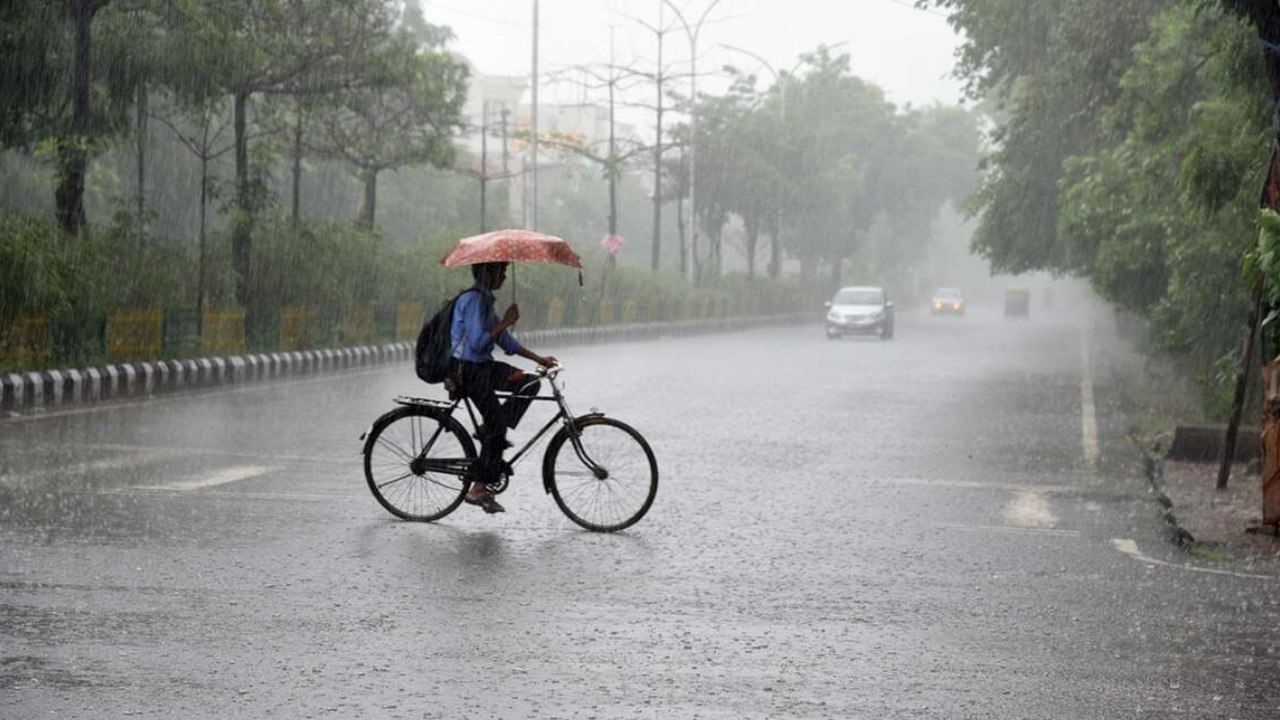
column 533, row 145
column 692, row 32
column 777, row 76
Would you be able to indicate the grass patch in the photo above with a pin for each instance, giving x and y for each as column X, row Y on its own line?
column 1207, row 553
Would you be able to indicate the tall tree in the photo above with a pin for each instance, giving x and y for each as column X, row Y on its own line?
column 1047, row 69
column 67, row 84
column 276, row 47
column 409, row 121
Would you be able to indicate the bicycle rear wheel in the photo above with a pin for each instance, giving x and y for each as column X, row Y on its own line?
column 415, row 460
column 630, row 474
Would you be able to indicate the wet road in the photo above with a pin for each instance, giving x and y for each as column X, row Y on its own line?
column 852, row 529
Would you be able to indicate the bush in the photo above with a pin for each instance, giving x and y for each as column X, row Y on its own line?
column 31, row 268
column 333, row 269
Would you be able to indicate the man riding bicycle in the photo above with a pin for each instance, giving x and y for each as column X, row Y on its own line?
column 474, row 332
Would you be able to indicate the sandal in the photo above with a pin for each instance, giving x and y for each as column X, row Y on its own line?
column 485, row 501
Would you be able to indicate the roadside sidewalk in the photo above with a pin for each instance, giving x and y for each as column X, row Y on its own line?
column 1226, row 520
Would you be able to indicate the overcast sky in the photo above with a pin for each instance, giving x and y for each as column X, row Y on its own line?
column 906, row 51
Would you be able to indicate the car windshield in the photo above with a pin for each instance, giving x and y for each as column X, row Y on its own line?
column 947, row 294
column 859, row 297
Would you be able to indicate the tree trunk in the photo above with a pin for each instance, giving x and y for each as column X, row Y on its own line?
column 613, row 202
column 715, row 237
column 142, row 150
column 837, row 273
column 808, row 269
column 1242, row 383
column 73, row 151
column 775, row 247
column 368, row 207
column 242, row 223
column 656, row 253
column 684, row 265
column 204, row 203
column 296, row 204
column 752, row 225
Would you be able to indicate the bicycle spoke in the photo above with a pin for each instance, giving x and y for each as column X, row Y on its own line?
column 394, row 481
column 408, row 457
column 619, row 499
column 417, row 442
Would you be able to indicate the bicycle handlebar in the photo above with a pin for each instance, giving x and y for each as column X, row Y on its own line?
column 551, row 371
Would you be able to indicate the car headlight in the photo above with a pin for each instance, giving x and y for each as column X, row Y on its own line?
column 834, row 316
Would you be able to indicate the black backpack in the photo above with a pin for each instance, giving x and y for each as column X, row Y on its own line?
column 435, row 348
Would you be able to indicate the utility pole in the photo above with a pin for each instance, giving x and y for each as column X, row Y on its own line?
column 484, row 163
column 656, row 257
column 612, row 167
column 659, row 78
column 533, row 145
column 506, row 167
column 692, row 31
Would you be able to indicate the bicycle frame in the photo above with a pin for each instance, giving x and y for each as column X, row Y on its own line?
column 563, row 416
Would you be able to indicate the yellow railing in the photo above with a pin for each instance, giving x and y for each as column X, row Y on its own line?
column 222, row 331
column 29, row 342
column 409, row 318
column 134, row 334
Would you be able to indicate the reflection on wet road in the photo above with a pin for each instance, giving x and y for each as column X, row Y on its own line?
column 857, row 528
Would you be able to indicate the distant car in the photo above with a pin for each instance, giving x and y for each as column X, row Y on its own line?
column 860, row 311
column 947, row 301
column 1017, row 303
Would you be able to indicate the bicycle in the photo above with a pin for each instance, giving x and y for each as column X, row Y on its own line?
column 417, row 461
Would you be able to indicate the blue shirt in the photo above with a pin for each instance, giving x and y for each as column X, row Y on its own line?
column 472, row 330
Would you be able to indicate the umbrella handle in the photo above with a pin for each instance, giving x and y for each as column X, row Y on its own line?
column 513, row 283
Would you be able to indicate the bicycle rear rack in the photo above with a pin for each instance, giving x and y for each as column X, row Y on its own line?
column 423, row 402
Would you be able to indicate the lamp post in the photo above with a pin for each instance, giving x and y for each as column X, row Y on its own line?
column 533, row 112
column 692, row 31
column 777, row 76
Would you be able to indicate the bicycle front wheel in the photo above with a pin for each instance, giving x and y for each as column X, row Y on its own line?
column 415, row 461
column 621, row 492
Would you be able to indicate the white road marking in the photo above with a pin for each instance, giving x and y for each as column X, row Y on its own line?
column 1029, row 510
column 1088, row 413
column 177, row 450
column 220, row 477
column 971, row 484
column 1130, row 548
column 1010, row 530
column 130, row 459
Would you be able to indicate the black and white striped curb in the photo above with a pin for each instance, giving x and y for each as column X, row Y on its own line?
column 37, row 390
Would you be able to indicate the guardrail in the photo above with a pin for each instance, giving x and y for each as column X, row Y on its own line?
column 40, row 341
column 45, row 389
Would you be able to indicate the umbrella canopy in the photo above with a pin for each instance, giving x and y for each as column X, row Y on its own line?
column 512, row 246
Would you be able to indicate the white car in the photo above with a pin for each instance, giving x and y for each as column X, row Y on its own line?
column 860, row 311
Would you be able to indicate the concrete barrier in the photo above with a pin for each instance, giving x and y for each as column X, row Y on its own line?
column 1203, row 443
column 43, row 390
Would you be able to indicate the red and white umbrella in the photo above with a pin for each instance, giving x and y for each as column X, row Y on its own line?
column 512, row 246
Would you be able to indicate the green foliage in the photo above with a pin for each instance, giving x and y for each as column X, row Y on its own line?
column 1132, row 159
column 318, row 263
column 826, row 153
column 408, row 119
column 1047, row 69
column 30, row 268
